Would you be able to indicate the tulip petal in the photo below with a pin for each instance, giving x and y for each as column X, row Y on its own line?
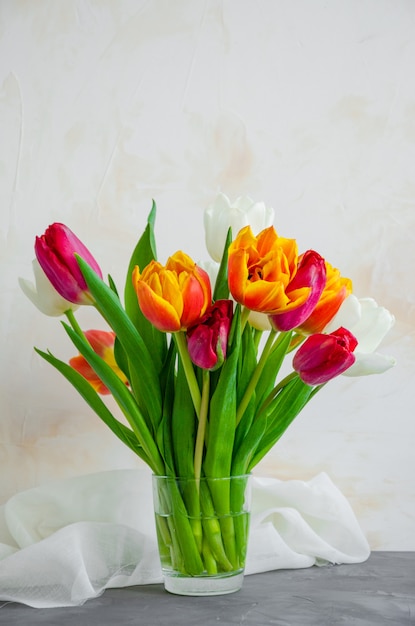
column 367, row 364
column 156, row 309
column 80, row 364
column 223, row 214
column 43, row 294
column 102, row 343
column 304, row 292
column 200, row 348
column 347, row 316
column 56, row 252
column 194, row 302
column 374, row 324
column 207, row 341
column 336, row 290
column 61, row 239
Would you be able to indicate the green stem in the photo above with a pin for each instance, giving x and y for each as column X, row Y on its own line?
column 74, row 323
column 188, row 370
column 244, row 317
column 257, row 338
column 201, row 429
column 275, row 390
column 255, row 376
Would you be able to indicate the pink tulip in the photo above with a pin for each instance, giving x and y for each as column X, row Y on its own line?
column 322, row 357
column 310, row 279
column 55, row 251
column 207, row 341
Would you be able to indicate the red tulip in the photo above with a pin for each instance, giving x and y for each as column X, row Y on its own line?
column 311, row 275
column 55, row 251
column 207, row 341
column 322, row 357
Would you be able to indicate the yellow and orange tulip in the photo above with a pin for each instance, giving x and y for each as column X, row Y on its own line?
column 175, row 296
column 102, row 342
column 263, row 274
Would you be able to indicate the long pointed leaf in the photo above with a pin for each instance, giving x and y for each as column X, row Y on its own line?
column 222, row 414
column 221, row 291
column 92, row 398
column 281, row 413
column 144, row 252
column 122, row 396
column 144, row 376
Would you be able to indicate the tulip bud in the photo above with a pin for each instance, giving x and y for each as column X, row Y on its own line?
column 207, row 341
column 55, row 251
column 322, row 357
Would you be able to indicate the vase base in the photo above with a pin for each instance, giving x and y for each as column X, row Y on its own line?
column 204, row 585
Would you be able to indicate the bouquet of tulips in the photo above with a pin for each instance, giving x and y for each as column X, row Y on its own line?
column 193, row 362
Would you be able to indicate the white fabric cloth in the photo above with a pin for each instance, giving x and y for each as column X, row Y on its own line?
column 64, row 543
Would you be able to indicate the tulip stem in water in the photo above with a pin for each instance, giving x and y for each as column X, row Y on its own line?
column 188, row 370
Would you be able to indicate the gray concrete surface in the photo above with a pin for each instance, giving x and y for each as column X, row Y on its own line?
column 377, row 592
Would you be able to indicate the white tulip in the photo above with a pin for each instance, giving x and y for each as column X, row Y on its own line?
column 212, row 269
column 222, row 214
column 369, row 323
column 43, row 294
column 260, row 321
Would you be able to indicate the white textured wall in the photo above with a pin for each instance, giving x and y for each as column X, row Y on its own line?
column 309, row 106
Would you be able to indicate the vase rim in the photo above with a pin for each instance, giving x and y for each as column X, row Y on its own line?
column 210, row 478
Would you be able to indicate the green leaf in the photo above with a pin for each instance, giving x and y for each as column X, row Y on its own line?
column 144, row 252
column 184, row 425
column 272, row 367
column 246, row 367
column 248, row 447
column 282, row 411
column 92, row 398
column 122, row 396
column 112, row 285
column 221, row 291
column 144, row 377
column 164, row 432
column 222, row 415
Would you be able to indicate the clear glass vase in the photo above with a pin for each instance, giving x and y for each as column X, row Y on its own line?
column 202, row 532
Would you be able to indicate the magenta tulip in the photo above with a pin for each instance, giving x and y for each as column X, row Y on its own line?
column 55, row 251
column 207, row 341
column 311, row 276
column 322, row 357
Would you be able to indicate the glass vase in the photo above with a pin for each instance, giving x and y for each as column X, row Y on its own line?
column 202, row 532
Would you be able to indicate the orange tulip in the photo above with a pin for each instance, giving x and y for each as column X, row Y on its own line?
column 336, row 290
column 175, row 296
column 102, row 342
column 262, row 271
